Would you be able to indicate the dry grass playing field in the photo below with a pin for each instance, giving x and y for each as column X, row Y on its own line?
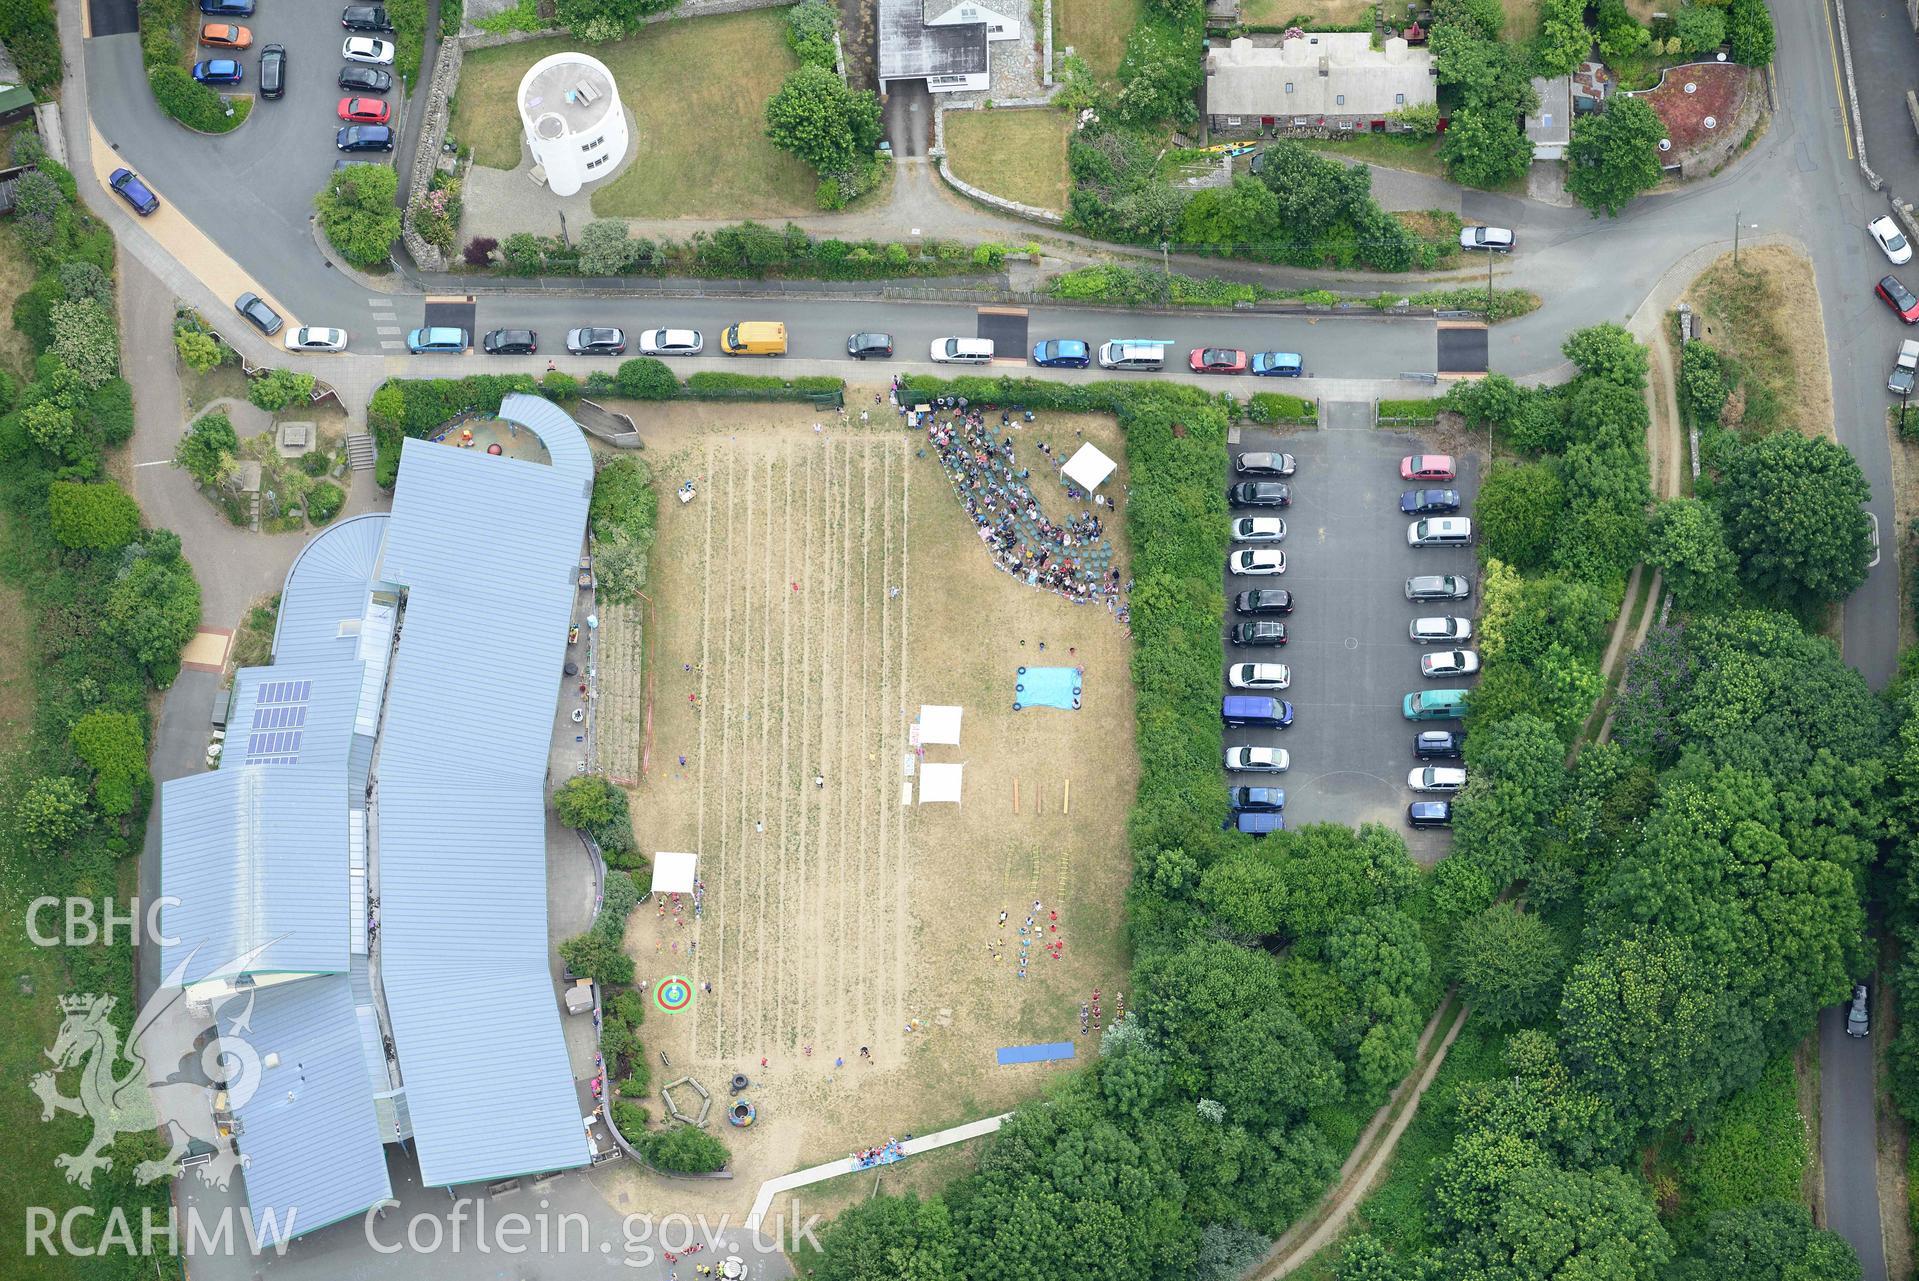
column 697, row 89
column 1018, row 153
column 1765, row 314
column 836, row 917
column 1325, row 15
column 1095, row 30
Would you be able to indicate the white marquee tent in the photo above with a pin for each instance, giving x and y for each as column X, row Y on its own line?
column 940, row 783
column 673, row 873
column 939, row 724
column 1089, row 468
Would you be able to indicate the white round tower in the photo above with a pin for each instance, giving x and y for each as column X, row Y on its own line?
column 573, row 120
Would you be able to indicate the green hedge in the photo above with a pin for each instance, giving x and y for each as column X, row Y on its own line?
column 193, row 104
column 1418, row 410
column 30, row 34
column 719, row 385
column 753, row 251
column 1276, row 407
column 409, row 37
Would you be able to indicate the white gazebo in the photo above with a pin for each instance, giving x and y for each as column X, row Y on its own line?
column 939, row 724
column 674, row 873
column 1089, row 468
column 940, row 783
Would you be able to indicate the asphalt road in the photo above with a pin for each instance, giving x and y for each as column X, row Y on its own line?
column 1847, row 1140
column 1347, row 563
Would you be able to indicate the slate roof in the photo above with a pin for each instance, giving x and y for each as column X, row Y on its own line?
column 909, row 49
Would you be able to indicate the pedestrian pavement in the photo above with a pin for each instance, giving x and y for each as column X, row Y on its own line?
column 763, row 1202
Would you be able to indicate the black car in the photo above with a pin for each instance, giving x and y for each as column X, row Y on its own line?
column 1429, row 502
column 363, row 79
column 1438, row 745
column 273, row 71
column 227, row 8
column 364, row 138
column 1256, row 799
column 511, row 342
column 365, row 17
column 1251, row 634
column 870, row 346
column 1260, row 493
column 1430, row 814
column 255, row 309
column 1264, row 600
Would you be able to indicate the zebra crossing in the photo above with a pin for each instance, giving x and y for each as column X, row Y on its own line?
column 386, row 324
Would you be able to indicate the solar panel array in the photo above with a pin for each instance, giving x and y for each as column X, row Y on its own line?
column 279, row 722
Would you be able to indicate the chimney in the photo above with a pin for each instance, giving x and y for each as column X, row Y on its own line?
column 1322, row 67
column 1395, row 49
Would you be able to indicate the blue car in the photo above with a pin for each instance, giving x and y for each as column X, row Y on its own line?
column 1257, row 823
column 1062, row 353
column 128, row 186
column 227, row 8
column 446, row 340
column 219, row 71
column 1276, row 364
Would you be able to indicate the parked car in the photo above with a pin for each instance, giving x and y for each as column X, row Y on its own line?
column 1428, row 467
column 671, row 342
column 362, row 79
column 1886, row 232
column 255, row 309
column 1253, row 799
column 364, row 138
column 1438, row 744
column 1062, row 353
column 1440, row 629
column 219, row 71
column 1440, row 531
column 1256, row 562
column 365, row 17
column 1141, row 355
column 1258, row 529
column 1256, row 710
column 314, row 338
column 1264, row 600
column 1430, row 814
column 1259, row 493
column 1257, row 634
column 1438, row 587
column 1429, row 502
column 224, row 35
column 1448, row 662
column 962, row 351
column 511, row 342
column 1436, row 778
column 443, row 340
column 365, row 111
column 227, row 8
column 127, row 185
column 1899, row 298
column 367, row 49
column 1498, row 240
column 596, row 342
column 1247, row 759
column 1277, row 364
column 1216, row 360
column 1264, row 463
column 1905, row 369
column 1858, row 1023
column 870, row 346
column 273, row 71
column 1259, row 677
column 1258, row 824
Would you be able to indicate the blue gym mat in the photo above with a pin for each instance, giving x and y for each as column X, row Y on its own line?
column 1047, row 687
column 1035, row 1053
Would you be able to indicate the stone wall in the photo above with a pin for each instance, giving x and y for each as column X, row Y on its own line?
column 437, row 103
column 1707, row 160
column 967, row 189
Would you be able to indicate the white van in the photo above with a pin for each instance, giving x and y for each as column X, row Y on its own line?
column 1440, row 531
column 1130, row 353
column 962, row 351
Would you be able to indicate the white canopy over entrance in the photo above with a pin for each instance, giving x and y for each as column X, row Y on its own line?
column 673, row 873
column 1089, row 468
column 939, row 724
column 940, row 783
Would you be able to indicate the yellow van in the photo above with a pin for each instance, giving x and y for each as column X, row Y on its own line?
column 754, row 338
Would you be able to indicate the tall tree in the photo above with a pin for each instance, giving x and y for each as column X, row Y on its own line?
column 1614, row 155
column 1794, row 508
column 823, row 122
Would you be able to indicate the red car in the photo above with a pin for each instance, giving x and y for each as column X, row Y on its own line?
column 1427, row 467
column 364, row 111
column 1899, row 298
column 1216, row 360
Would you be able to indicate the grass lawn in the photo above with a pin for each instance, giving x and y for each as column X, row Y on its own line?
column 697, row 89
column 1019, row 154
column 1388, row 150
column 1325, row 15
column 1096, row 30
column 1765, row 316
column 1522, row 19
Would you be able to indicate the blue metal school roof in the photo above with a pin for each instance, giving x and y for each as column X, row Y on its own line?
column 315, row 1152
column 487, row 549
column 327, row 585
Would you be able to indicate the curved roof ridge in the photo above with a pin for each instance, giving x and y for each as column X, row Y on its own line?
column 565, row 443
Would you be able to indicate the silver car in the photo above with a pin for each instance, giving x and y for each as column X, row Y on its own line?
column 1438, row 587
column 1259, row 529
column 1437, row 778
column 1440, row 629
column 671, row 342
column 1857, row 1022
column 1247, row 759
